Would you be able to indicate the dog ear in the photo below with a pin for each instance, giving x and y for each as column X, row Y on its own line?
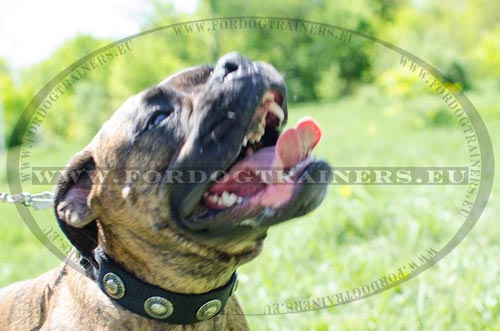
column 72, row 205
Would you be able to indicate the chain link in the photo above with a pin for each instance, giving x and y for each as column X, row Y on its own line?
column 44, row 200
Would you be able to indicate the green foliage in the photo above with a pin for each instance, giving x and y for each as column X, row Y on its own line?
column 456, row 74
column 459, row 38
column 435, row 116
column 302, row 56
column 38, row 75
column 64, row 117
column 330, row 86
column 486, row 54
column 316, row 67
column 151, row 60
column 13, row 99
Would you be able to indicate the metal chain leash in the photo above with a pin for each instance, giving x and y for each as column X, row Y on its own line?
column 40, row 201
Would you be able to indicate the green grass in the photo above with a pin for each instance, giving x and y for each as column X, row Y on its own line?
column 23, row 255
column 359, row 234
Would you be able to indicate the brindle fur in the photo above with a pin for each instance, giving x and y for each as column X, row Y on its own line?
column 135, row 227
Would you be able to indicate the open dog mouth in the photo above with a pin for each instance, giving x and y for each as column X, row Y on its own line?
column 269, row 163
column 265, row 177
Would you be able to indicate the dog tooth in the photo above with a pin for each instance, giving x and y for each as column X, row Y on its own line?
column 213, row 198
column 249, row 222
column 222, row 201
column 268, row 96
column 259, row 134
column 263, row 119
column 245, row 141
column 276, row 110
column 262, row 128
column 239, row 200
column 225, row 198
column 232, row 199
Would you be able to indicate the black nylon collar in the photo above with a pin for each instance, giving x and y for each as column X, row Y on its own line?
column 155, row 303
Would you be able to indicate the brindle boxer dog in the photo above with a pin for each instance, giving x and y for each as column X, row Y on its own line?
column 162, row 254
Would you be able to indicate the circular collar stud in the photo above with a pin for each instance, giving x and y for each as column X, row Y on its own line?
column 113, row 285
column 158, row 307
column 209, row 310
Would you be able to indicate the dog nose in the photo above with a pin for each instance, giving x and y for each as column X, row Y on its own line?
column 229, row 63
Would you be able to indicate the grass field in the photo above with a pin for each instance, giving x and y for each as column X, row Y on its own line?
column 358, row 235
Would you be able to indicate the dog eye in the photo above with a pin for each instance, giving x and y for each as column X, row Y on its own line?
column 157, row 119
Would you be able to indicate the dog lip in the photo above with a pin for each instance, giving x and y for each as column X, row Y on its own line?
column 188, row 204
column 244, row 217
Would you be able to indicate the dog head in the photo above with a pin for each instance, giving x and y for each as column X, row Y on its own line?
column 185, row 159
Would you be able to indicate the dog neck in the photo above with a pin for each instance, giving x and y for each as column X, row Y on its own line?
column 179, row 266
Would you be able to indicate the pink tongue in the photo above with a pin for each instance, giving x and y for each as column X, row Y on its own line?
column 292, row 147
column 294, row 144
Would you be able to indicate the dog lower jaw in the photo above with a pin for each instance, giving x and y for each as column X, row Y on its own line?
column 240, row 220
column 234, row 251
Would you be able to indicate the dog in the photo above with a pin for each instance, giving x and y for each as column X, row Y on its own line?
column 161, row 252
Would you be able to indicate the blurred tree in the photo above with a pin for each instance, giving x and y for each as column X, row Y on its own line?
column 154, row 57
column 315, row 65
column 13, row 98
column 486, row 55
column 303, row 56
column 4, row 82
column 76, row 111
column 459, row 38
